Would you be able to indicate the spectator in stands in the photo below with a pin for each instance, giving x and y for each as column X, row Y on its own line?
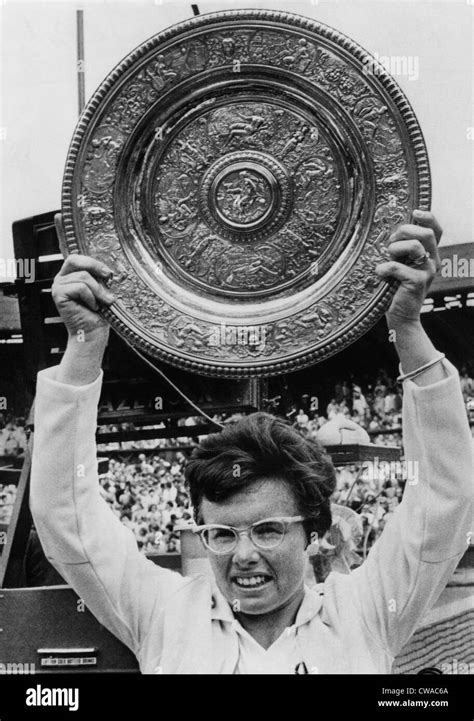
column 390, row 401
column 169, row 493
column 470, row 409
column 379, row 400
column 467, row 384
column 332, row 409
column 7, row 501
column 359, row 404
column 5, row 508
column 347, row 395
column 13, row 438
column 302, row 419
column 338, row 394
column 344, row 409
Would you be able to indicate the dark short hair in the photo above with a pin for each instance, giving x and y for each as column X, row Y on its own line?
column 263, row 447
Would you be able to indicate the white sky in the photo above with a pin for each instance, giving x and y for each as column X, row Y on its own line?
column 39, row 87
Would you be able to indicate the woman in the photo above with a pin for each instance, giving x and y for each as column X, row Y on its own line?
column 261, row 497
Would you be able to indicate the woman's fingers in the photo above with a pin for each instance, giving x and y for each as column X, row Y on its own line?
column 407, row 231
column 416, row 240
column 411, row 249
column 426, row 219
column 78, row 291
column 401, row 272
column 413, row 253
column 58, row 222
column 64, row 283
column 76, row 262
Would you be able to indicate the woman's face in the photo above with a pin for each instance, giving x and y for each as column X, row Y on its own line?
column 277, row 575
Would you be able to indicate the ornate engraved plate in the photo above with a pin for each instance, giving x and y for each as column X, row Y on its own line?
column 241, row 173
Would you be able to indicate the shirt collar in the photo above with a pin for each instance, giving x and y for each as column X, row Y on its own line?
column 310, row 607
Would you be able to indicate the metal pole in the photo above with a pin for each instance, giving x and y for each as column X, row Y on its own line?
column 81, row 91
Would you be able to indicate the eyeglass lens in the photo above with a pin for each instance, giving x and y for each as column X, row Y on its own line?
column 266, row 534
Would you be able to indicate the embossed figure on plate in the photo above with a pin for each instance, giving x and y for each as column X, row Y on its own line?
column 243, row 269
column 248, row 125
column 176, row 203
column 243, row 196
column 101, row 164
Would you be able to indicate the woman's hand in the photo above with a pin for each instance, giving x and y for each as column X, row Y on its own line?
column 415, row 269
column 79, row 293
column 408, row 244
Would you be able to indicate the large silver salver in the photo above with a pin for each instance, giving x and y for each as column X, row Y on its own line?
column 241, row 173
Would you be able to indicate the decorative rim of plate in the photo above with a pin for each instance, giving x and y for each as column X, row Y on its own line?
column 381, row 300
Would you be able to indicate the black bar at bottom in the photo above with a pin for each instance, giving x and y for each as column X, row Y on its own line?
column 390, row 697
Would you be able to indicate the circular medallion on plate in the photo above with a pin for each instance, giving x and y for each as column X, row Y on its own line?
column 241, row 173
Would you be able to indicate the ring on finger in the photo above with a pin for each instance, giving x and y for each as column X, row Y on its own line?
column 421, row 259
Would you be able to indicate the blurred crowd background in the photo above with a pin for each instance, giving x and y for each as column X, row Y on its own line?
column 147, row 490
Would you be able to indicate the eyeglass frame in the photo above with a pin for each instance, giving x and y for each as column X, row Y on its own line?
column 286, row 520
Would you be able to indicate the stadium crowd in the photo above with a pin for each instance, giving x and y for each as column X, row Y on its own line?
column 12, row 435
column 149, row 496
column 148, row 492
column 377, row 408
column 12, row 443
